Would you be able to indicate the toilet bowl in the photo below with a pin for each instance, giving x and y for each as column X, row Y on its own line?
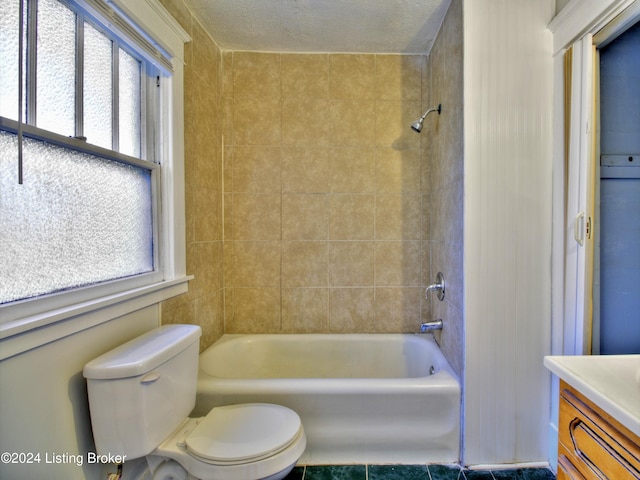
column 235, row 442
column 140, row 395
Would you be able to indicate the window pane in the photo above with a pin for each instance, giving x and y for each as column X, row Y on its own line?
column 98, row 85
column 9, row 23
column 55, row 82
column 129, row 104
column 77, row 220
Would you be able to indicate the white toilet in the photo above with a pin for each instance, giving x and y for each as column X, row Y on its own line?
column 140, row 397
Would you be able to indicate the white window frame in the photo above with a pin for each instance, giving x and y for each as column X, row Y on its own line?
column 69, row 312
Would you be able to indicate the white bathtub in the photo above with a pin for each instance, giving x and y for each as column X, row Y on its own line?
column 362, row 398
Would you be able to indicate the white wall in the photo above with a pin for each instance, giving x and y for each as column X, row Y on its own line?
column 43, row 399
column 507, row 229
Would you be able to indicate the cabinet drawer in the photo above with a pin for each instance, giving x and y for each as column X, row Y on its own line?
column 593, row 443
column 568, row 466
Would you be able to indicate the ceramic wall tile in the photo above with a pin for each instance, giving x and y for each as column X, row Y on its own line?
column 305, row 310
column 305, row 264
column 305, row 75
column 351, row 217
column 352, row 170
column 351, row 263
column 326, row 170
column 305, row 216
column 305, row 170
column 256, row 75
column 352, row 310
column 351, row 76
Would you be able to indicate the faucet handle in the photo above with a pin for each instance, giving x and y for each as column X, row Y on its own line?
column 439, row 286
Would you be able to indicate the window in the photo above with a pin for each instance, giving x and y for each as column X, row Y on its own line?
column 82, row 119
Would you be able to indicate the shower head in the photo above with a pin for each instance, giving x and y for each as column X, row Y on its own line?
column 417, row 125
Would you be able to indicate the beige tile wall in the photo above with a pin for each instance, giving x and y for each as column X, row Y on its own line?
column 446, row 160
column 204, row 303
column 332, row 220
column 324, row 193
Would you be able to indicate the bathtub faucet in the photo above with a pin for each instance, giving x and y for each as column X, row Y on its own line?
column 430, row 327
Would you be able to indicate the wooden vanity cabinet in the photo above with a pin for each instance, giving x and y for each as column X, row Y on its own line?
column 591, row 444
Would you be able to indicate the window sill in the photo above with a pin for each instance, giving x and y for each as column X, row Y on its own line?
column 33, row 331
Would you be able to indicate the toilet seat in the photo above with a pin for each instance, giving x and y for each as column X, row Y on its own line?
column 237, row 434
column 259, row 461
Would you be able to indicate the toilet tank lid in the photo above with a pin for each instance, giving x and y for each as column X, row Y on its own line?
column 143, row 353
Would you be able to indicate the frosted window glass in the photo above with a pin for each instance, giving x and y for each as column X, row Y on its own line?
column 9, row 23
column 129, row 104
column 98, row 86
column 56, row 79
column 77, row 220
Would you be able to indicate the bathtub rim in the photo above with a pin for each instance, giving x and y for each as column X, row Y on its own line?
column 445, row 377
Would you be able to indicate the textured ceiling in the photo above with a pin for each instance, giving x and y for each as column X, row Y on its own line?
column 348, row 26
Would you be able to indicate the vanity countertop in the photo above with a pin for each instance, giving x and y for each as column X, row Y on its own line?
column 612, row 382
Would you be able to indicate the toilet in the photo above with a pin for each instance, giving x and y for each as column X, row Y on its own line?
column 140, row 397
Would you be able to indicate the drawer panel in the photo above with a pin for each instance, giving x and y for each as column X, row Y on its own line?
column 592, row 440
column 569, row 467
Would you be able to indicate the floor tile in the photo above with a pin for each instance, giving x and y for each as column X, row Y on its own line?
column 478, row 475
column 524, row 474
column 445, row 472
column 414, row 472
column 296, row 474
column 398, row 472
column 336, row 472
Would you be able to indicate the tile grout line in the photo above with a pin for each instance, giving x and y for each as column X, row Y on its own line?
column 462, row 473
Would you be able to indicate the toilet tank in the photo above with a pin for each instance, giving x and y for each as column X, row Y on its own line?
column 141, row 391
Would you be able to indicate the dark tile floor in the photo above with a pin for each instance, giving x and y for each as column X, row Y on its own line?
column 414, row 472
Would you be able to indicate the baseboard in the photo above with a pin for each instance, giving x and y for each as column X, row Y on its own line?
column 506, row 466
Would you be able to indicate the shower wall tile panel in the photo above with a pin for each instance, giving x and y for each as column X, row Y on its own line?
column 203, row 132
column 322, row 172
column 443, row 143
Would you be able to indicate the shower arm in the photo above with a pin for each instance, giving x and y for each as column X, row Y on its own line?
column 434, row 109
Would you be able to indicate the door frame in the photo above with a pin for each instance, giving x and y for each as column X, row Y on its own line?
column 584, row 23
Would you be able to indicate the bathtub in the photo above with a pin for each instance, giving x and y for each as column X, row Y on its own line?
column 362, row 398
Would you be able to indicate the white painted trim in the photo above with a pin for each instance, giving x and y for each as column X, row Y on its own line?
column 173, row 187
column 617, row 25
column 581, row 132
column 558, row 207
column 157, row 22
column 580, row 17
column 557, row 251
column 23, row 335
column 165, row 30
column 509, row 466
column 587, row 131
column 552, row 433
